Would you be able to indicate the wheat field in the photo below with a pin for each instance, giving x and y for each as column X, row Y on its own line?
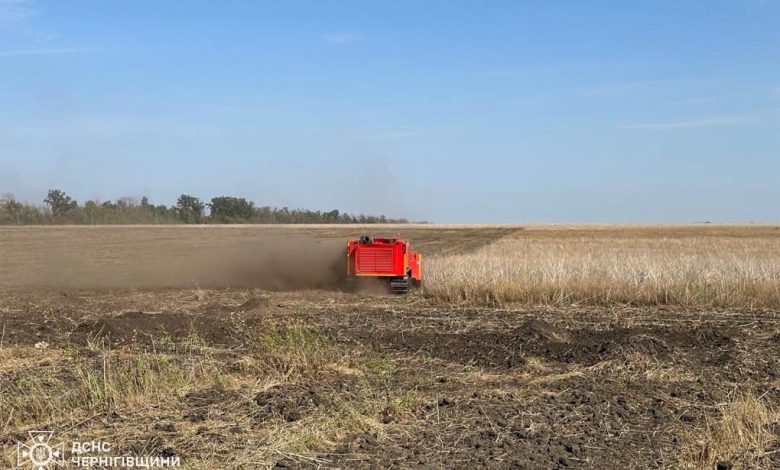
column 721, row 266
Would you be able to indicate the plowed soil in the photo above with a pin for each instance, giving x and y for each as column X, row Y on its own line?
column 507, row 388
column 399, row 381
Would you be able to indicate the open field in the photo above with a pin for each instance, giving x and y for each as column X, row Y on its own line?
column 530, row 347
column 684, row 266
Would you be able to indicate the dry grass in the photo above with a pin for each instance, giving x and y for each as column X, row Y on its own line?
column 741, row 438
column 701, row 267
column 74, row 386
column 66, row 390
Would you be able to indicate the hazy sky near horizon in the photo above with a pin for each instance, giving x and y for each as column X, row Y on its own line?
column 448, row 111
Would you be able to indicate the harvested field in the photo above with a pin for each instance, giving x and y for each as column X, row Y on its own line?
column 305, row 375
column 275, row 257
column 686, row 266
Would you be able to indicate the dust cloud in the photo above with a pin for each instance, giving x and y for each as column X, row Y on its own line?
column 280, row 264
column 273, row 263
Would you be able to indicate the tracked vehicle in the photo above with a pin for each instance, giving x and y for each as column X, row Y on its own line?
column 390, row 259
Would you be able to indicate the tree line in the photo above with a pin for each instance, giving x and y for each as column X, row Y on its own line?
column 59, row 208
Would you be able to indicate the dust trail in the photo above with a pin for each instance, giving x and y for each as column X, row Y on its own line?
column 280, row 264
column 273, row 262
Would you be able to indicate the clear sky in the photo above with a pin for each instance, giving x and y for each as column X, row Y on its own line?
column 448, row 111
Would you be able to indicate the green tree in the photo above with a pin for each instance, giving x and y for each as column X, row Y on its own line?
column 91, row 211
column 161, row 213
column 189, row 209
column 14, row 209
column 59, row 202
column 228, row 209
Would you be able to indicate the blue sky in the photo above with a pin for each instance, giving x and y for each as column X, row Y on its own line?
column 449, row 111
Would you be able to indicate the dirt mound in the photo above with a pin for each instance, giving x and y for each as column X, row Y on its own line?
column 210, row 396
column 31, row 326
column 288, row 401
column 541, row 331
column 537, row 338
column 211, row 327
column 479, row 349
column 199, row 402
column 255, row 303
column 589, row 347
column 291, row 401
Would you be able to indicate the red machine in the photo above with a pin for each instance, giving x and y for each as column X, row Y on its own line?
column 388, row 258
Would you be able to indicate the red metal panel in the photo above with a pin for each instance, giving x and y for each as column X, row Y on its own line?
column 375, row 259
column 382, row 257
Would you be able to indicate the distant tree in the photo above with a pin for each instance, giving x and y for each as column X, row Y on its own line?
column 228, row 209
column 91, row 211
column 14, row 209
column 126, row 202
column 189, row 209
column 332, row 216
column 162, row 214
column 62, row 209
column 59, row 202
